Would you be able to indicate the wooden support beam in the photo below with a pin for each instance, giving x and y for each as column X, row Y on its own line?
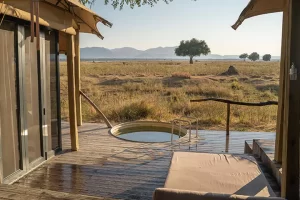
column 77, row 80
column 228, row 119
column 71, row 93
column 282, row 79
column 291, row 126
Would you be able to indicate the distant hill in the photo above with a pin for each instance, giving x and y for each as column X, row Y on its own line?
column 95, row 52
column 126, row 52
column 153, row 53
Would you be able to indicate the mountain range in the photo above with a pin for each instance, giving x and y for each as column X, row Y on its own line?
column 153, row 53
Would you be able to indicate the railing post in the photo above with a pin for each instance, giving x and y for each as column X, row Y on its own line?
column 228, row 119
column 190, row 132
column 172, row 132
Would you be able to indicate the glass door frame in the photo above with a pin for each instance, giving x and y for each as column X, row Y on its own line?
column 20, row 64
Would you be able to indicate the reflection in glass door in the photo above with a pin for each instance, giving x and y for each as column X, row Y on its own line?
column 9, row 106
column 32, row 100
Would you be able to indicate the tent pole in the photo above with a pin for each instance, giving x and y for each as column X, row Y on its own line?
column 291, row 126
column 71, row 93
column 77, row 79
column 282, row 78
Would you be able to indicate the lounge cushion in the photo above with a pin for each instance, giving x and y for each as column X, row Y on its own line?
column 173, row 194
column 217, row 173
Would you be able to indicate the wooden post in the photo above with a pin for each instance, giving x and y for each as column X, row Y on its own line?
column 282, row 78
column 291, row 126
column 71, row 93
column 77, row 80
column 228, row 119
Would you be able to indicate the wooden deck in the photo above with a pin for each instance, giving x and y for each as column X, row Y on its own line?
column 111, row 168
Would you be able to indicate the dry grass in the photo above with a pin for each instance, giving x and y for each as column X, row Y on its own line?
column 161, row 91
column 184, row 75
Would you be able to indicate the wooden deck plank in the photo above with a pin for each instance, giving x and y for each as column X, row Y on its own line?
column 112, row 168
column 21, row 193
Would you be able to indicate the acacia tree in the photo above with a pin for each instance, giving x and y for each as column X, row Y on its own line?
column 121, row 3
column 267, row 57
column 244, row 56
column 192, row 48
column 253, row 56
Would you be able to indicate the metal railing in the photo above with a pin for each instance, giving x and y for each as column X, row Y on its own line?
column 229, row 102
column 197, row 122
column 181, row 122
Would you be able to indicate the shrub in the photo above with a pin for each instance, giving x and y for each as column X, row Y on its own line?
column 136, row 111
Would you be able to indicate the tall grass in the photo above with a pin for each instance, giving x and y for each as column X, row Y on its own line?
column 162, row 91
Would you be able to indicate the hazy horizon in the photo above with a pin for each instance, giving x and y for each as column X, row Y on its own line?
column 174, row 54
column 166, row 25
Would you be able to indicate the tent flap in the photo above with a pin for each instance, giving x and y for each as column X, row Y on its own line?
column 86, row 18
column 260, row 7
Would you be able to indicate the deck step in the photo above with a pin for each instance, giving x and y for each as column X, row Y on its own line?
column 248, row 147
column 12, row 192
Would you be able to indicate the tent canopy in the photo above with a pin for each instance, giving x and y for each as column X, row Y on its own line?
column 63, row 15
column 260, row 7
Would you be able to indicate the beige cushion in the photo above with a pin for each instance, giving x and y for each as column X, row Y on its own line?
column 217, row 173
column 172, row 194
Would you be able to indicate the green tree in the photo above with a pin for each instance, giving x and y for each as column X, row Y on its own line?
column 120, row 3
column 192, row 48
column 267, row 57
column 253, row 56
column 244, row 56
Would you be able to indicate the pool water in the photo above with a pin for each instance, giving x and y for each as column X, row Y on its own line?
column 148, row 136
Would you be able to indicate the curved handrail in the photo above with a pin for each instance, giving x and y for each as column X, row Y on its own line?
column 109, row 125
column 197, row 122
column 180, row 120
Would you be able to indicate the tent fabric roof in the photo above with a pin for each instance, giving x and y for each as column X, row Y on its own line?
column 63, row 15
column 86, row 18
column 260, row 7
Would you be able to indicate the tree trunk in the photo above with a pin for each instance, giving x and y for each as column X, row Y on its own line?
column 191, row 60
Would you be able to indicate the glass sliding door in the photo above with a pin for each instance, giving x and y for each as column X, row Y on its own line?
column 9, row 106
column 52, row 89
column 29, row 99
column 32, row 99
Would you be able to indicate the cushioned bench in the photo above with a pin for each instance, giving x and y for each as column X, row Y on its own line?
column 214, row 176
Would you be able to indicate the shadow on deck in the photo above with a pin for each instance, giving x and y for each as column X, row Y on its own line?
column 116, row 169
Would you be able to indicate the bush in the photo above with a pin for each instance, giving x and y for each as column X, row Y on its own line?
column 136, row 111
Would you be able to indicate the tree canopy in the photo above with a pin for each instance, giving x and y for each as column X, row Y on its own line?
column 120, row 3
column 253, row 56
column 267, row 57
column 243, row 56
column 192, row 48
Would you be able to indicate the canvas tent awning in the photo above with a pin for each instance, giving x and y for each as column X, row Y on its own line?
column 63, row 15
column 260, row 7
column 84, row 17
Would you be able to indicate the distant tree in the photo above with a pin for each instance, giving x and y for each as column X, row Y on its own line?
column 253, row 56
column 267, row 57
column 244, row 56
column 192, row 48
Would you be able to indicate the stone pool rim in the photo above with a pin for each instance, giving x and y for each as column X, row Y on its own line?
column 116, row 129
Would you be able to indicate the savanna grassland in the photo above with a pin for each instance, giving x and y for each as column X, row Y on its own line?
column 161, row 90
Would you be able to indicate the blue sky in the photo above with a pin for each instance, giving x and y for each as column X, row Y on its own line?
column 166, row 25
